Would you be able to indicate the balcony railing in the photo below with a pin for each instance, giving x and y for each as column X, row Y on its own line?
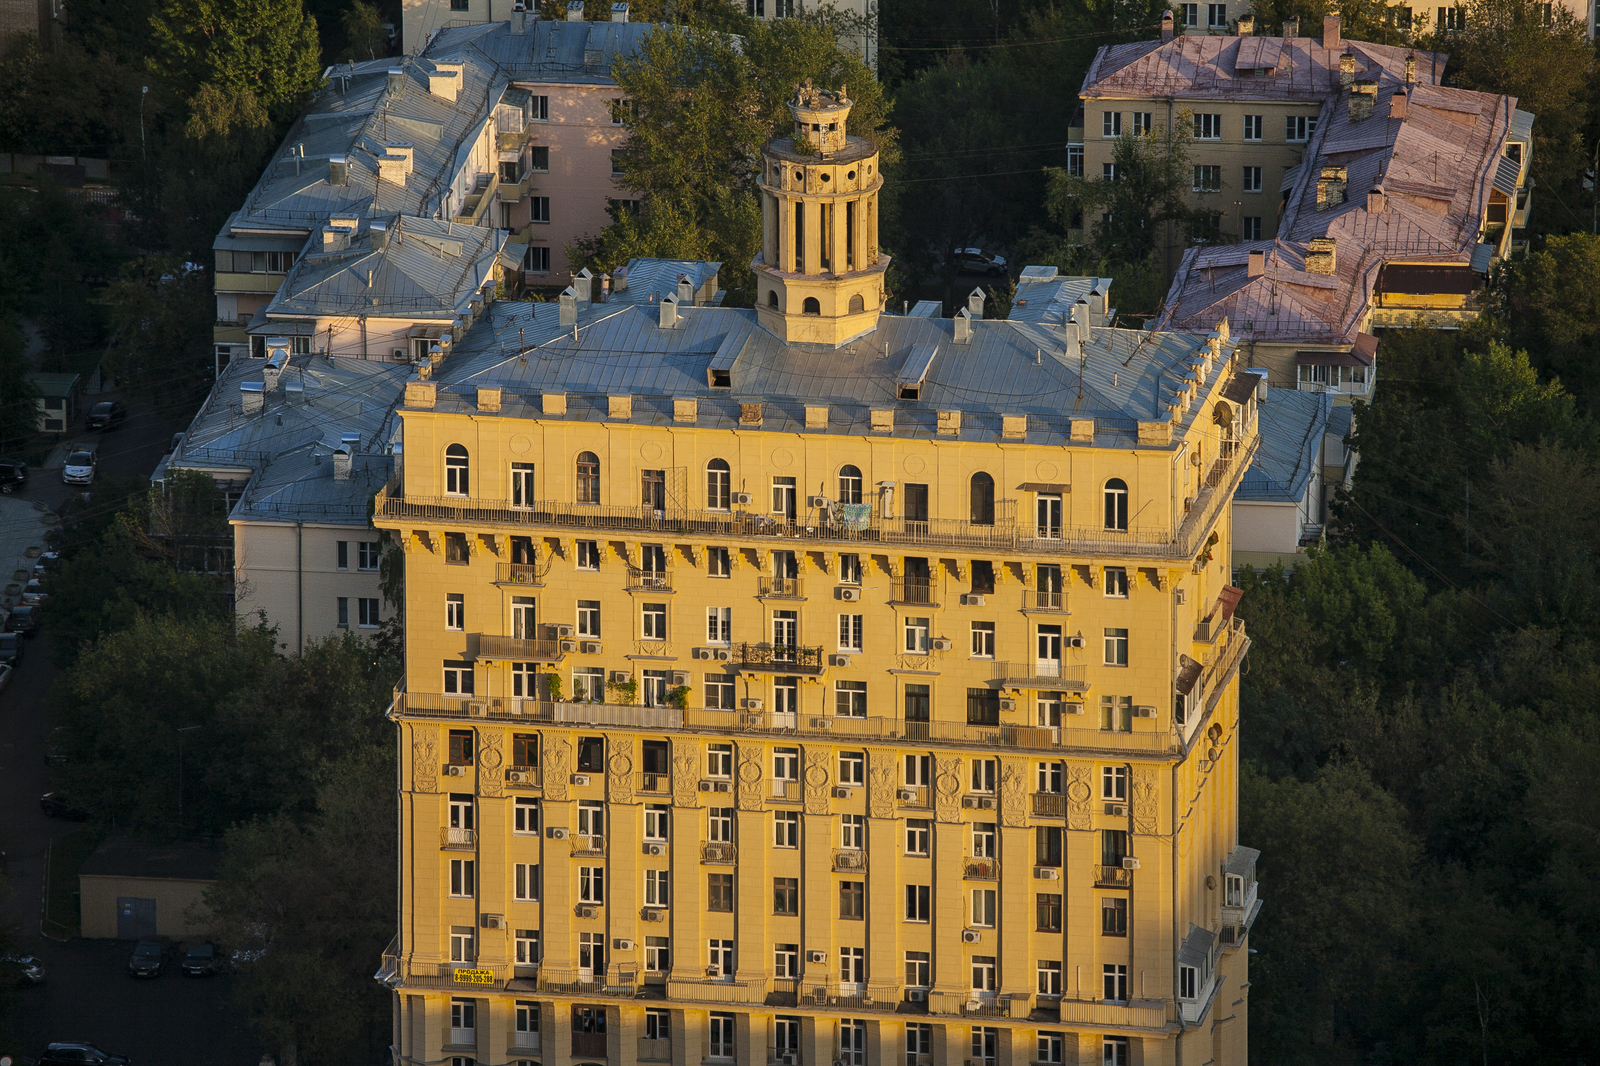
column 786, row 790
column 779, row 658
column 649, row 580
column 524, row 777
column 1049, row 805
column 981, row 870
column 655, row 783
column 913, row 796
column 717, row 990
column 588, row 847
column 848, row 859
column 719, row 852
column 393, row 508
column 912, row 591
column 734, row 723
column 532, row 574
column 1112, row 877
column 1041, row 674
column 1036, row 600
column 781, row 588
column 488, row 646
column 454, row 839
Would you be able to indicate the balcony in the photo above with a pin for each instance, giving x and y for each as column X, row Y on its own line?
column 718, row 852
column 454, row 839
column 981, row 870
column 1037, row 602
column 1041, row 674
column 488, row 646
column 778, row 658
column 588, row 847
column 830, row 992
column 657, row 784
column 780, row 588
column 914, row 796
column 992, row 1006
column 1112, row 877
column 648, row 580
column 717, row 990
column 1049, row 805
column 849, row 860
column 524, row 777
column 786, row 790
column 1236, row 921
column 912, row 592
column 531, row 575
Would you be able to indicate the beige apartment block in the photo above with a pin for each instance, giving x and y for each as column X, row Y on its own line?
column 787, row 703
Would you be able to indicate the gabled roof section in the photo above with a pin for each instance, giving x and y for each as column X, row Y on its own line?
column 572, row 53
column 1291, row 425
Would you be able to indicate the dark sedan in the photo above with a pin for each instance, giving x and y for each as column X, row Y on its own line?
column 56, row 805
column 201, row 960
column 148, row 956
column 13, row 475
column 77, row 1053
column 24, row 619
column 108, row 415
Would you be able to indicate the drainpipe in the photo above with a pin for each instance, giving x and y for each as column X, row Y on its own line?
column 1167, row 252
column 364, row 337
column 299, row 586
column 1176, row 943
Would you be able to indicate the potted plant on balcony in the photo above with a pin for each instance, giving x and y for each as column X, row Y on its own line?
column 625, row 692
column 679, row 698
column 553, row 682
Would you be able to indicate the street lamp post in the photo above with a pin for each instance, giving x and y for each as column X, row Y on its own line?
column 181, row 732
column 144, row 90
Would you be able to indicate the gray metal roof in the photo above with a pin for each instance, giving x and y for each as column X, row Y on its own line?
column 1291, row 426
column 1045, row 297
column 556, row 52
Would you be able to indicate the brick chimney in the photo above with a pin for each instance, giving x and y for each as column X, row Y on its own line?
column 1247, row 25
column 1166, row 26
column 1321, row 256
column 1331, row 182
column 1397, row 105
column 1375, row 200
column 1291, row 26
column 574, row 10
column 1411, row 68
column 1330, row 32
column 1363, row 94
column 1347, row 70
column 1258, row 264
column 619, row 12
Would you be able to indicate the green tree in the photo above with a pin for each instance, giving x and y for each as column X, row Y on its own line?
column 19, row 411
column 163, row 308
column 364, row 34
column 253, row 54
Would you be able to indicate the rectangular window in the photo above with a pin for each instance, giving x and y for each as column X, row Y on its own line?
column 589, row 618
column 1116, row 646
column 540, row 209
column 536, row 260
column 983, row 706
column 343, row 604
column 1047, row 912
column 983, row 640
column 786, row 960
column 656, row 819
column 1299, row 127
column 919, row 1043
column 1141, row 123
column 852, row 965
column 850, row 699
column 721, row 1042
column 657, row 959
column 343, row 553
column 1191, row 16
column 1113, row 847
column 852, row 900
column 718, row 563
column 786, row 829
column 721, row 959
column 1114, row 1051
column 783, row 497
column 1047, row 845
column 592, row 884
column 719, row 824
column 1075, row 160
column 657, row 888
column 719, row 691
column 719, row 625
column 983, row 980
column 1114, row 976
column 919, row 903
column 463, row 944
column 1113, row 916
column 458, row 678
column 367, row 612
column 657, row 1022
column 455, row 611
column 1208, row 127
column 1207, row 178
column 527, row 1019
column 1108, row 172
column 591, row 754
column 589, row 684
column 719, row 760
column 852, row 768
column 588, row 552
column 1216, row 16
column 918, row 834
column 461, row 747
column 654, row 621
column 1252, row 179
column 591, row 819
column 1253, row 126
column 1188, row 979
column 983, row 907
column 916, row 636
column 1116, row 713
column 525, row 881
column 1052, row 1048
column 463, row 878
column 456, row 551
column 919, row 968
column 1049, row 972
column 1111, row 123
column 1114, row 783
column 719, row 892
column 1250, row 228
column 525, row 816
column 852, row 1042
column 850, row 631
column 983, row 775
column 1049, row 778
column 849, row 568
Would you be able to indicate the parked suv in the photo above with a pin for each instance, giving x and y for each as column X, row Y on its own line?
column 147, row 958
column 200, row 960
column 11, row 649
column 13, row 475
column 75, row 1053
column 108, row 415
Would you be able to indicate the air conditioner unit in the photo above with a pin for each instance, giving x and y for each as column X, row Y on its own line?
column 477, row 708
column 969, row 801
column 556, row 832
column 1047, row 873
column 705, row 786
column 818, row 502
column 563, row 631
column 942, row 644
column 1183, row 597
column 742, row 499
column 1075, row 641
column 621, row 943
column 816, row 956
column 569, row 647
column 493, row 921
column 1008, row 705
column 703, row 653
column 788, row 1059
column 654, row 849
column 680, row 677
column 838, row 660
column 1144, row 712
column 650, row 914
column 907, row 796
column 752, row 704
column 840, row 792
column 518, row 777
column 586, row 912
column 1188, row 503
column 972, row 599
column 455, row 771
column 580, row 779
column 723, row 655
column 620, row 677
column 850, row 595
column 589, row 647
column 1130, row 863
column 1072, row 708
column 986, row 803
column 1117, row 810
column 755, row 720
column 722, row 786
column 971, row 936
column 819, row 723
column 917, row 995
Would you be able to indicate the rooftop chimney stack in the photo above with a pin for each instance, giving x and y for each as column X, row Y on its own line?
column 1097, row 306
column 1258, row 264
column 1247, row 25
column 583, row 285
column 341, row 463
column 669, row 312
column 619, row 12
column 685, row 290
column 1321, row 257
column 574, row 10
column 1397, row 105
column 1375, row 200
column 378, row 235
column 975, row 304
column 252, row 396
column 1291, row 26
column 1347, row 70
column 1411, row 68
column 1330, row 32
column 963, row 327
column 1080, row 314
column 1166, row 26
column 569, row 307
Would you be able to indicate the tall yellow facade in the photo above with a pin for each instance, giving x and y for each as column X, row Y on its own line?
column 775, row 704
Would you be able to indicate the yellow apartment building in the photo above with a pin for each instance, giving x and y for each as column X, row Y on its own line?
column 774, row 703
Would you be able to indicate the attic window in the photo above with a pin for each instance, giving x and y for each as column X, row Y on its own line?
column 910, row 392
column 720, row 379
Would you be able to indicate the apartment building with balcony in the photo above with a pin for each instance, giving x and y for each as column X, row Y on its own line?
column 864, row 697
column 1350, row 191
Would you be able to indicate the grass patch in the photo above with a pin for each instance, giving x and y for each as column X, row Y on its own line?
column 67, row 855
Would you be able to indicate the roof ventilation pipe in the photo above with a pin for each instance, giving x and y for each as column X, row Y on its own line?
column 569, row 307
column 963, row 327
column 1080, row 315
column 669, row 312
column 975, row 304
column 252, row 396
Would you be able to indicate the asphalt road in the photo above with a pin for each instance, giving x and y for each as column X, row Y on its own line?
column 167, row 1021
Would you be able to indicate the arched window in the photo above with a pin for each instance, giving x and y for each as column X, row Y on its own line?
column 718, row 485
column 1116, row 504
column 455, row 470
column 982, row 499
column 811, row 307
column 849, row 484
column 772, row 298
column 857, row 304
column 588, row 477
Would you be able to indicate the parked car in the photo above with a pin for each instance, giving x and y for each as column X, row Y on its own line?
column 148, row 955
column 11, row 649
column 33, row 592
column 55, row 805
column 79, row 469
column 977, row 261
column 57, row 746
column 108, row 415
column 45, row 563
column 201, row 960
column 25, row 619
column 18, row 971
column 76, row 1053
column 13, row 475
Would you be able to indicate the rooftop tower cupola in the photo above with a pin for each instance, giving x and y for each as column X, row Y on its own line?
column 819, row 277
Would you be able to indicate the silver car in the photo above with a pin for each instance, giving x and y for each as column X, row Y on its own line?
column 79, row 469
